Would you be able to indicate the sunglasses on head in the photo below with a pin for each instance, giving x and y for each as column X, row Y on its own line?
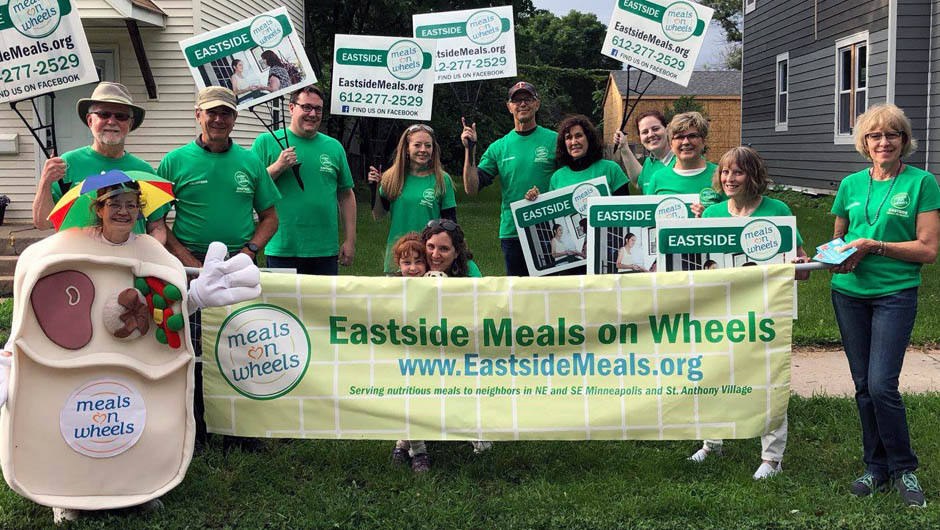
column 419, row 127
column 446, row 224
column 106, row 115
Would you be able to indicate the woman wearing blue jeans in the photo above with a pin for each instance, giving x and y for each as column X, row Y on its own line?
column 887, row 212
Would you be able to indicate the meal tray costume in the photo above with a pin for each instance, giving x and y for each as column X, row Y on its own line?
column 94, row 421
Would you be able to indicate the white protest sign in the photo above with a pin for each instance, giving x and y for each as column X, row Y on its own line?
column 553, row 228
column 42, row 49
column 383, row 77
column 260, row 58
column 662, row 37
column 472, row 44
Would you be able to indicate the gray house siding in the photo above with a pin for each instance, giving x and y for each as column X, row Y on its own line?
column 933, row 143
column 804, row 155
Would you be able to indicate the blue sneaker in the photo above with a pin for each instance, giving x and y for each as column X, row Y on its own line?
column 910, row 490
column 867, row 484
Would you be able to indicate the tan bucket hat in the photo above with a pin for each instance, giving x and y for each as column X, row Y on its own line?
column 107, row 92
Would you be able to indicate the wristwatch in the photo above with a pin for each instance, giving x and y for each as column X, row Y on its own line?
column 252, row 247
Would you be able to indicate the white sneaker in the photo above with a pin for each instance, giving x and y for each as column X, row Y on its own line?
column 766, row 471
column 61, row 515
column 699, row 456
column 481, row 446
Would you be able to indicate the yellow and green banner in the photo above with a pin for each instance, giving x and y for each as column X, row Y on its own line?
column 680, row 355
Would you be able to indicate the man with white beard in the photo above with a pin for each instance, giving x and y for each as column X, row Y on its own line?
column 110, row 114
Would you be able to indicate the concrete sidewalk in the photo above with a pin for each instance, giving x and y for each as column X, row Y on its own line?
column 827, row 372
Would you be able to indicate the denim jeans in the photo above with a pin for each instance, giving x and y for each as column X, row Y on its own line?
column 875, row 334
column 513, row 257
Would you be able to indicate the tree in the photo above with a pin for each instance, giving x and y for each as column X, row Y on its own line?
column 728, row 15
column 683, row 104
column 572, row 41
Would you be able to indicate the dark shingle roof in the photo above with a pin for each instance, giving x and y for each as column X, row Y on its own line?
column 702, row 83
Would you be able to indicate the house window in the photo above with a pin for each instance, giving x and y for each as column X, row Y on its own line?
column 749, row 5
column 851, row 84
column 783, row 90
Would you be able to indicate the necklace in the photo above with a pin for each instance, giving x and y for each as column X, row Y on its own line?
column 871, row 180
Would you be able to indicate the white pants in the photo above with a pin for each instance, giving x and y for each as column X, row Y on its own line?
column 773, row 443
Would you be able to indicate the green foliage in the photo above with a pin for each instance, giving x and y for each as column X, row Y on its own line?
column 683, row 104
column 584, row 485
column 728, row 14
column 6, row 318
column 572, row 41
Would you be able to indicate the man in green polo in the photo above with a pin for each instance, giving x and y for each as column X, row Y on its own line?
column 110, row 114
column 308, row 236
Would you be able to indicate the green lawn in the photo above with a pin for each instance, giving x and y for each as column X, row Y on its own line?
column 540, row 485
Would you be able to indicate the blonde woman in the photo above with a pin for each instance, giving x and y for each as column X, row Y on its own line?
column 414, row 190
column 691, row 173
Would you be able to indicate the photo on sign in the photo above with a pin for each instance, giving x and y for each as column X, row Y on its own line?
column 259, row 59
column 553, row 228
column 719, row 243
column 621, row 231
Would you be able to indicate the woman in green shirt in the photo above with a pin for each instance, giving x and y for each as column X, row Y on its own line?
column 691, row 173
column 414, row 190
column 741, row 175
column 888, row 213
column 651, row 127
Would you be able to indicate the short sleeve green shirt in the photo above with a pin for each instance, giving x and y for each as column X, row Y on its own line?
column 418, row 203
column 667, row 182
column 651, row 165
column 83, row 162
column 216, row 193
column 892, row 207
column 565, row 176
column 768, row 207
column 520, row 161
column 473, row 270
column 307, row 218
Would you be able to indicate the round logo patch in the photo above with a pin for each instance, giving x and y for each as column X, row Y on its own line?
column 580, row 196
column 901, row 200
column 761, row 240
column 103, row 418
column 679, row 21
column 266, row 31
column 262, row 351
column 671, row 208
column 34, row 18
column 708, row 197
column 484, row 27
column 405, row 59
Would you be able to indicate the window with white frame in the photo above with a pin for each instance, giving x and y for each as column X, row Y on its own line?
column 783, row 91
column 749, row 5
column 851, row 84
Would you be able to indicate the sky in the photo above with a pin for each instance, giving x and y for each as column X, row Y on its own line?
column 709, row 54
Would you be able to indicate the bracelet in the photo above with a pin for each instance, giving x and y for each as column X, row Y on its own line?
column 881, row 248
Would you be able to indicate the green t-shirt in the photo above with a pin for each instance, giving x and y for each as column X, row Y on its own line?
column 84, row 162
column 667, row 182
column 768, row 207
column 520, row 162
column 215, row 194
column 651, row 165
column 307, row 219
column 473, row 271
column 565, row 176
column 893, row 219
column 418, row 203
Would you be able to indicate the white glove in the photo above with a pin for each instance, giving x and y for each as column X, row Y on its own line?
column 224, row 282
column 5, row 363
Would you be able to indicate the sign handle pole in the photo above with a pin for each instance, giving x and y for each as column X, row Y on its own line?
column 629, row 108
column 271, row 129
column 468, row 101
column 48, row 146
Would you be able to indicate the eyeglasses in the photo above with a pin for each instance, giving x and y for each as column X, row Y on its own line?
column 446, row 224
column 690, row 137
column 310, row 108
column 876, row 137
column 225, row 113
column 520, row 101
column 106, row 115
column 118, row 206
column 419, row 127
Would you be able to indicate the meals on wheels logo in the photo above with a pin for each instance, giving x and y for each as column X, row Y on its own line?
column 541, row 154
column 484, row 27
column 262, row 351
column 671, row 208
column 901, row 200
column 679, row 21
column 405, row 59
column 35, row 18
column 103, row 418
column 242, row 182
column 580, row 196
column 266, row 31
column 761, row 240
